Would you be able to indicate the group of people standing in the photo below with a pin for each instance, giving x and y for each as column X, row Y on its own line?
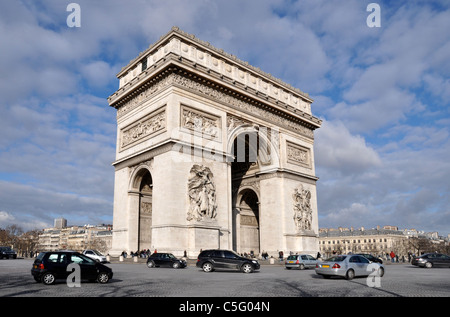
column 142, row 254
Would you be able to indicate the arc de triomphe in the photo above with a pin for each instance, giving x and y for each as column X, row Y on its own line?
column 211, row 153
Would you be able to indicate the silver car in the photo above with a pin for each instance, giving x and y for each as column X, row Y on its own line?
column 300, row 261
column 348, row 266
column 95, row 255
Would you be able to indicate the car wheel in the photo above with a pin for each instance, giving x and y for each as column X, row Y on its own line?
column 151, row 264
column 350, row 274
column 247, row 268
column 380, row 272
column 48, row 279
column 302, row 267
column 428, row 265
column 176, row 265
column 103, row 278
column 207, row 267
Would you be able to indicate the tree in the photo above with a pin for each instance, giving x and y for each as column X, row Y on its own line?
column 419, row 244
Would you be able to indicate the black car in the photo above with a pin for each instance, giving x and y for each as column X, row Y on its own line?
column 165, row 260
column 372, row 258
column 209, row 260
column 7, row 252
column 50, row 266
column 432, row 260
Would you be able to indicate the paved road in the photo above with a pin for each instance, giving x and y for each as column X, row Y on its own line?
column 136, row 280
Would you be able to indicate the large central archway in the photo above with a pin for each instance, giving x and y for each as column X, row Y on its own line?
column 245, row 203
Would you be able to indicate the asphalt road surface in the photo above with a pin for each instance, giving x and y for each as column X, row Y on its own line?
column 136, row 280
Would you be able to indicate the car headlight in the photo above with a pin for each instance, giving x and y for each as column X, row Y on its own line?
column 254, row 261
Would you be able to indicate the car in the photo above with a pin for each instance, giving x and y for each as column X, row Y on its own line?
column 348, row 266
column 7, row 252
column 210, row 260
column 431, row 260
column 165, row 260
column 300, row 261
column 53, row 265
column 95, row 255
column 372, row 258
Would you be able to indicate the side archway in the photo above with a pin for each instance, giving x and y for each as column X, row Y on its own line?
column 141, row 202
column 247, row 222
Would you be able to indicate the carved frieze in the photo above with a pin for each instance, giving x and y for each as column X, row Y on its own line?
column 242, row 105
column 146, row 208
column 145, row 127
column 144, row 95
column 218, row 95
column 202, row 123
column 249, row 221
column 299, row 155
column 302, row 209
column 202, row 194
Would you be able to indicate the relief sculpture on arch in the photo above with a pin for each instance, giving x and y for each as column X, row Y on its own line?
column 202, row 194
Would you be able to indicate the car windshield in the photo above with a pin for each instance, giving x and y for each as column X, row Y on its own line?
column 338, row 258
column 80, row 259
column 96, row 252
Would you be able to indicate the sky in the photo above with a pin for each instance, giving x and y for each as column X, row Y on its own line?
column 383, row 93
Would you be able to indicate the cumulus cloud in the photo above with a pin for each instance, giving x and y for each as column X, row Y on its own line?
column 337, row 151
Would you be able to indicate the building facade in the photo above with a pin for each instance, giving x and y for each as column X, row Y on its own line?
column 380, row 241
column 211, row 153
column 77, row 238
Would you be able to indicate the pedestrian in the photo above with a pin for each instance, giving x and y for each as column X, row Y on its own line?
column 392, row 255
column 280, row 255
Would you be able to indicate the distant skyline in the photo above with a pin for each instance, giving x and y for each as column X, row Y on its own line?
column 383, row 94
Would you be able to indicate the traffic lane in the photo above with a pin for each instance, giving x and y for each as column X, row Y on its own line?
column 271, row 281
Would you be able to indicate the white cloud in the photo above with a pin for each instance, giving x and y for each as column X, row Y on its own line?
column 341, row 153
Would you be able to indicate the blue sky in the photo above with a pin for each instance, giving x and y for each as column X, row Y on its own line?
column 383, row 95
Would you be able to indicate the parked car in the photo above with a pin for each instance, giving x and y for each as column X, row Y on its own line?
column 372, row 258
column 432, row 260
column 8, row 253
column 348, row 266
column 300, row 261
column 165, row 260
column 95, row 255
column 50, row 266
column 209, row 260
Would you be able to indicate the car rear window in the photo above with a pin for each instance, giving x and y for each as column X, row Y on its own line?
column 338, row 258
column 292, row 257
column 40, row 256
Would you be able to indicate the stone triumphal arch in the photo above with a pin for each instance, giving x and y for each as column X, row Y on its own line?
column 211, row 153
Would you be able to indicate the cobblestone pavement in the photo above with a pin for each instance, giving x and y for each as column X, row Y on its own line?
column 136, row 280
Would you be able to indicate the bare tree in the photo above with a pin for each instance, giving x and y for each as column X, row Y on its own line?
column 419, row 244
